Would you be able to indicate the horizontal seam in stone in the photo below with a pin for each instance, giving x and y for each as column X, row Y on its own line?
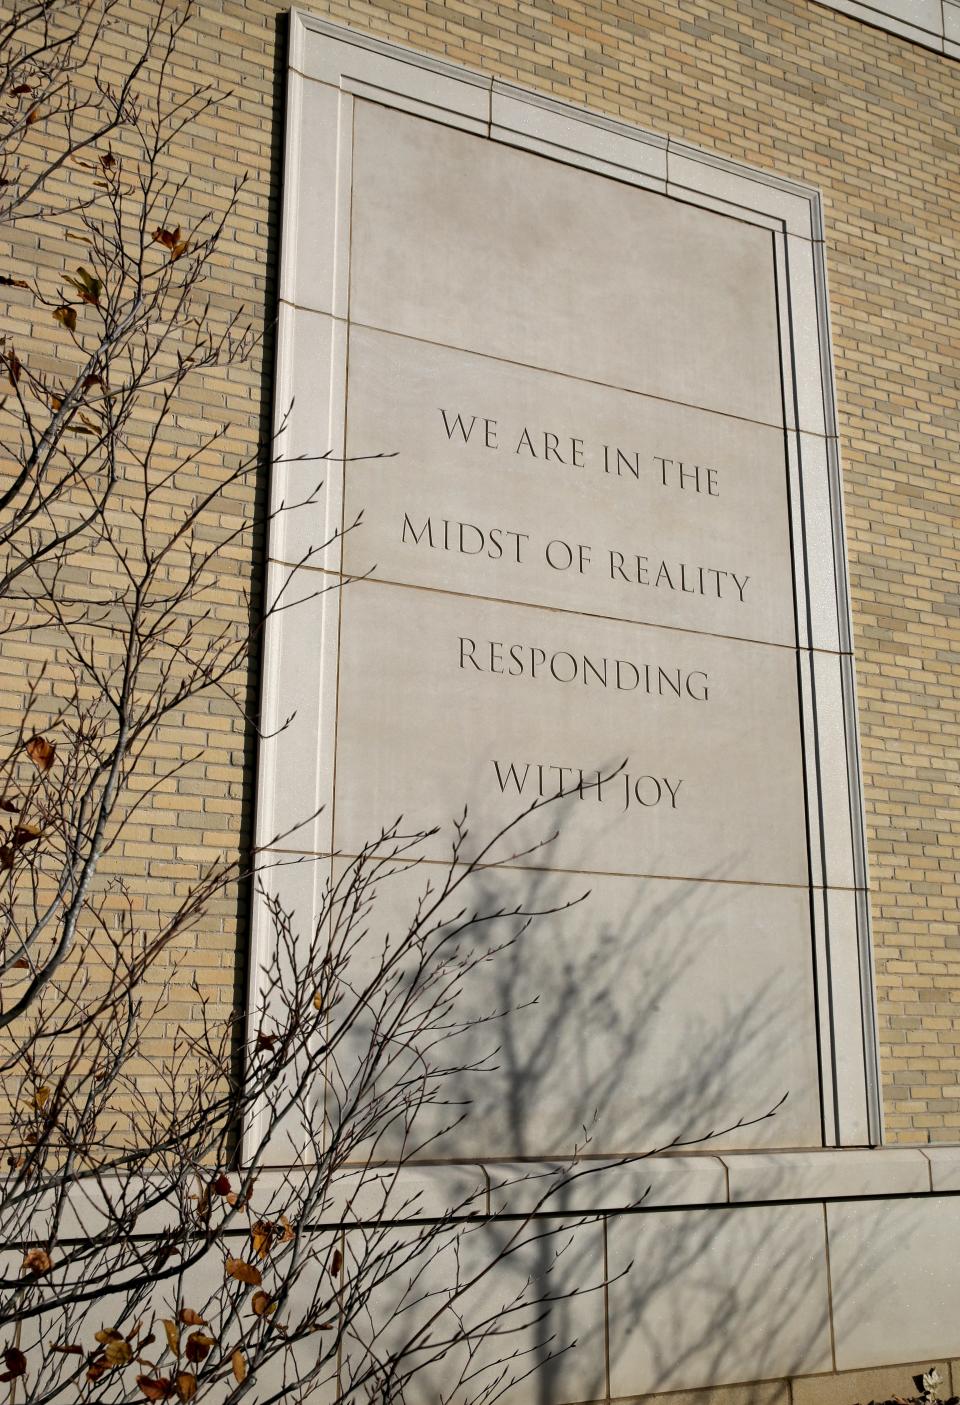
column 347, row 579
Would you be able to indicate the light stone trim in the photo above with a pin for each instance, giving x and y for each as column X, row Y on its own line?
column 935, row 24
column 536, row 123
column 329, row 68
column 713, row 1278
column 413, row 82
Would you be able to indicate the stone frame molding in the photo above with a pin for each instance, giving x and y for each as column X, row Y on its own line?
column 330, row 69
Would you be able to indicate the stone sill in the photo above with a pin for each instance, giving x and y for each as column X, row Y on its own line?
column 676, row 1181
column 424, row 1191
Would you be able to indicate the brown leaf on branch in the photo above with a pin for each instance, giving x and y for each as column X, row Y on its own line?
column 33, row 116
column 15, row 1363
column 14, row 368
column 186, row 1385
column 66, row 316
column 9, row 806
column 198, row 1346
column 243, row 1272
column 118, row 1353
column 155, row 1387
column 7, row 282
column 67, row 1349
column 38, row 1102
column 261, row 1304
column 98, row 1366
column 41, row 752
column 173, row 1334
column 262, row 1233
column 238, row 1363
column 37, row 1262
column 190, row 1318
column 336, row 1263
column 172, row 241
column 87, row 286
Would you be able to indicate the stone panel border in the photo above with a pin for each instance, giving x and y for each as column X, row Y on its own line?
column 330, row 68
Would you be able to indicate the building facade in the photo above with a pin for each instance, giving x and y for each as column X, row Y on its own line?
column 815, row 1261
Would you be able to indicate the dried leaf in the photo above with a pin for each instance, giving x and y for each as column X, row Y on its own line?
column 39, row 1101
column 24, row 834
column 14, row 368
column 93, row 379
column 166, row 237
column 66, row 316
column 186, row 1385
column 266, row 1041
column 198, row 1346
column 21, row 89
column 41, row 752
column 318, row 1000
column 107, row 159
column 239, row 1363
column 97, row 1367
column 288, row 1230
column 7, row 282
column 33, row 116
column 9, row 806
column 155, row 1387
column 37, row 1262
column 118, row 1353
column 15, row 1362
column 261, row 1304
column 220, row 1184
column 6, row 857
column 172, row 241
column 262, row 1233
column 189, row 1318
column 239, row 1199
column 336, row 1263
column 67, row 1350
column 173, row 1335
column 243, row 1272
column 108, row 1334
column 85, row 284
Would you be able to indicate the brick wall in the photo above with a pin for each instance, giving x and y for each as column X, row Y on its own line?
column 800, row 90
